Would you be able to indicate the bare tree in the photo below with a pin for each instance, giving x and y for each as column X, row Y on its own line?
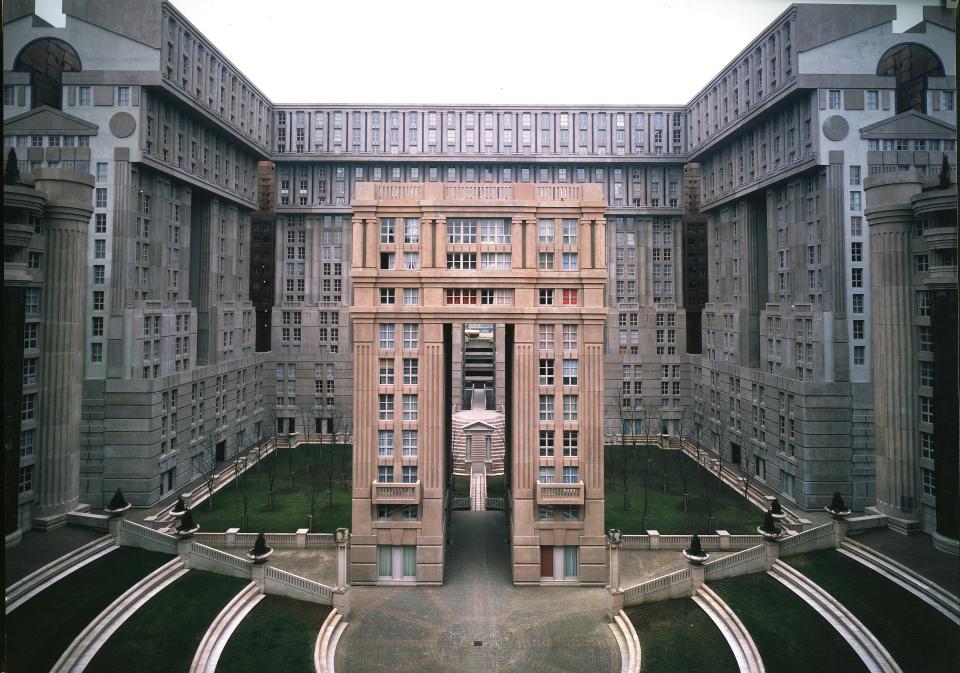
column 698, row 421
column 684, row 430
column 210, row 474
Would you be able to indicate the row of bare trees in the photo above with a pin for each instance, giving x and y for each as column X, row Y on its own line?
column 642, row 430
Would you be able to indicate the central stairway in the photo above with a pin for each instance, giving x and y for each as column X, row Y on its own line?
column 478, row 487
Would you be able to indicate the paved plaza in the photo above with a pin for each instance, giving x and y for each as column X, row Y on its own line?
column 478, row 621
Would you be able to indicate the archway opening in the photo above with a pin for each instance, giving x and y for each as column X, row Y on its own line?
column 46, row 60
column 912, row 64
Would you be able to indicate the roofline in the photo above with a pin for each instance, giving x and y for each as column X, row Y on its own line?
column 519, row 107
column 212, row 47
column 43, row 108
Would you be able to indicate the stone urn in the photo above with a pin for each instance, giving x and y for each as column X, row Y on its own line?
column 187, row 526
column 179, row 508
column 118, row 504
column 776, row 511
column 837, row 508
column 695, row 553
column 769, row 529
column 260, row 551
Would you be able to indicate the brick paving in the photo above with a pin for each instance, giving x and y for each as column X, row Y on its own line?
column 478, row 621
column 314, row 564
column 38, row 548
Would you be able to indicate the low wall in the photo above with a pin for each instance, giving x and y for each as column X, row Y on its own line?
column 752, row 560
column 719, row 542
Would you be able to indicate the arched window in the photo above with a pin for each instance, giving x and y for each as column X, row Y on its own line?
column 46, row 59
column 911, row 64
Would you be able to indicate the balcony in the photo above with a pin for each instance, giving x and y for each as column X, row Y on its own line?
column 559, row 494
column 396, row 493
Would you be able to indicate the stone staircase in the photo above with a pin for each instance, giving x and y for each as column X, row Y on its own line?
column 215, row 639
column 874, row 655
column 478, row 488
column 627, row 642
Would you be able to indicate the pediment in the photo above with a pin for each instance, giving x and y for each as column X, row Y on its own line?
column 909, row 124
column 478, row 426
column 46, row 120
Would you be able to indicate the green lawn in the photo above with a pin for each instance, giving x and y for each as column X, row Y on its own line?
column 40, row 630
column 930, row 641
column 163, row 635
column 790, row 635
column 495, row 486
column 291, row 507
column 665, row 511
column 666, row 631
column 278, row 635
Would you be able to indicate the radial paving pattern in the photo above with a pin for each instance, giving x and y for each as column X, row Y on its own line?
column 478, row 621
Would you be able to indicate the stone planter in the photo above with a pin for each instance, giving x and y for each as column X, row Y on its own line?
column 768, row 536
column 260, row 558
column 117, row 512
column 186, row 534
column 839, row 515
column 696, row 559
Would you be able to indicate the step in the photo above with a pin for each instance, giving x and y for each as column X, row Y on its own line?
column 741, row 643
column 24, row 589
column 325, row 649
column 215, row 639
column 927, row 591
column 874, row 655
column 628, row 642
column 85, row 646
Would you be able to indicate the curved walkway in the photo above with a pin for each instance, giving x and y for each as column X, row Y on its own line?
column 478, row 621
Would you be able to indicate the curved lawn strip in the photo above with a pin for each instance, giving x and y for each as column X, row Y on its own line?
column 918, row 636
column 40, row 630
column 164, row 634
column 676, row 636
column 277, row 636
column 790, row 635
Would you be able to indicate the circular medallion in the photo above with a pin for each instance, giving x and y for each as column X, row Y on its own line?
column 122, row 124
column 835, row 127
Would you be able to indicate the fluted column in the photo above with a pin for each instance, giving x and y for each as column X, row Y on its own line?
column 894, row 361
column 68, row 211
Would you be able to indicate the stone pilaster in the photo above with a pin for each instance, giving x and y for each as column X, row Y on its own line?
column 68, row 211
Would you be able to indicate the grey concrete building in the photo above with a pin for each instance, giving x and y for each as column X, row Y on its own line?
column 785, row 377
column 170, row 132
column 782, row 373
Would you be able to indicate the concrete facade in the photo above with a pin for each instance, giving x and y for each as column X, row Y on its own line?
column 763, row 249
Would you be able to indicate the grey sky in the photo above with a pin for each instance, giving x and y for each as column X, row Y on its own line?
column 487, row 51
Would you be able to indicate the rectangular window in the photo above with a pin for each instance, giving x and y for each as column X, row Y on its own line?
column 923, row 303
column 856, row 251
column 833, row 99
column 26, row 442
column 570, row 408
column 545, row 337
column 28, row 407
column 411, row 296
column 571, row 474
column 411, row 336
column 571, row 443
column 570, row 372
column 855, row 203
column 385, row 474
column 859, row 355
column 410, row 443
column 388, row 230
column 856, row 277
column 388, row 295
column 386, row 407
column 545, row 230
column 927, row 482
column 386, row 372
column 546, row 408
column 926, row 373
column 461, row 231
column 385, row 443
column 545, row 261
column 872, row 99
column 545, row 297
column 25, row 479
column 570, row 231
column 926, row 409
column 386, row 336
column 410, row 407
column 546, row 372
column 96, row 352
column 858, row 303
column 495, row 231
column 858, row 329
column 123, row 95
column 411, row 260
column 569, row 261
column 411, row 231
column 570, row 337
column 570, row 297
column 101, row 197
column 411, row 371
column 856, row 225
column 546, row 443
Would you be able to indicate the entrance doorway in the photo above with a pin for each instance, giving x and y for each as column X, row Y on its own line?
column 735, row 452
column 221, row 450
column 558, row 563
column 397, row 562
